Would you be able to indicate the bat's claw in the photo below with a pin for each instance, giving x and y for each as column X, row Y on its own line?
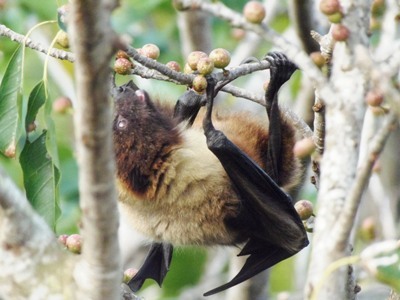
column 281, row 67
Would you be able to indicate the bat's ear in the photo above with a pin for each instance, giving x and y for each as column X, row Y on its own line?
column 131, row 85
column 127, row 87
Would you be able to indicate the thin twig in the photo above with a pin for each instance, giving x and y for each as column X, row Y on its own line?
column 218, row 9
column 19, row 38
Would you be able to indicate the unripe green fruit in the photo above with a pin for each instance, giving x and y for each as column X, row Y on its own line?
column 199, row 84
column 123, row 66
column 193, row 59
column 335, row 18
column 254, row 12
column 205, row 65
column 378, row 7
column 173, row 65
column 74, row 243
column 220, row 57
column 340, row 32
column 304, row 208
column 62, row 39
column 368, row 229
column 150, row 51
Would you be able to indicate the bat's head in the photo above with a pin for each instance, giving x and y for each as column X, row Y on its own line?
column 142, row 132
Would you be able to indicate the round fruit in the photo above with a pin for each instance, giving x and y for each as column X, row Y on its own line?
column 335, row 18
column 121, row 54
column 220, row 57
column 173, row 65
column 129, row 274
column 318, row 59
column 62, row 105
column 205, row 65
column 340, row 32
column 194, row 57
column 151, row 51
column 62, row 39
column 329, row 7
column 374, row 98
column 254, row 12
column 199, row 84
column 74, row 243
column 123, row 66
column 304, row 208
column 304, row 147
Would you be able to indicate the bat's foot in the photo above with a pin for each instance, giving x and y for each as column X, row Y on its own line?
column 281, row 68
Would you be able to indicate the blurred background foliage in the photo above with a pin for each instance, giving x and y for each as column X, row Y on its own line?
column 142, row 22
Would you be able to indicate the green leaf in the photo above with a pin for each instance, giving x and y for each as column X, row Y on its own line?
column 11, row 126
column 36, row 100
column 382, row 260
column 41, row 179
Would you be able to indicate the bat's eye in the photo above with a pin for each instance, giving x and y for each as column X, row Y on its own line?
column 122, row 123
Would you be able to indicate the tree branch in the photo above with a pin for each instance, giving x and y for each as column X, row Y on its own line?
column 30, row 256
column 353, row 199
column 98, row 274
column 21, row 39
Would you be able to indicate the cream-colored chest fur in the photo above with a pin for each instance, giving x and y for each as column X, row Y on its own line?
column 192, row 202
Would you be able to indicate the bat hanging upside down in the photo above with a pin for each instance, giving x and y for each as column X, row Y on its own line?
column 183, row 182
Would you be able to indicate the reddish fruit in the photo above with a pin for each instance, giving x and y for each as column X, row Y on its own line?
column 129, row 274
column 254, row 12
column 62, row 105
column 304, row 208
column 374, row 98
column 205, row 65
column 151, row 51
column 74, row 243
column 121, row 54
column 199, row 84
column 63, row 239
column 220, row 57
column 238, row 33
column 340, row 32
column 329, row 7
column 10, row 152
column 194, row 57
column 173, row 65
column 304, row 148
column 123, row 66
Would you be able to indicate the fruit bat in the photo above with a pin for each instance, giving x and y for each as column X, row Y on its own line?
column 187, row 176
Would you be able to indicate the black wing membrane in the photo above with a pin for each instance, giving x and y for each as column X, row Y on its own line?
column 264, row 204
column 155, row 266
column 274, row 229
